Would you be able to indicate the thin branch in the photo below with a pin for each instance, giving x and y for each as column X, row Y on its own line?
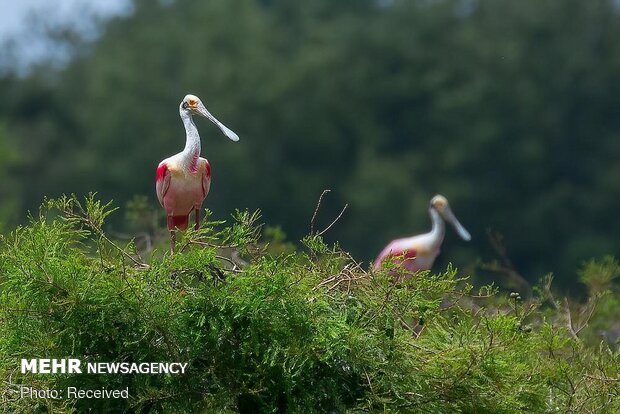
column 25, row 311
column 416, row 330
column 234, row 255
column 549, row 295
column 355, row 262
column 316, row 210
column 235, row 268
column 369, row 382
column 335, row 220
column 607, row 379
column 124, row 253
column 97, row 230
column 140, row 235
column 218, row 246
column 569, row 320
column 589, row 309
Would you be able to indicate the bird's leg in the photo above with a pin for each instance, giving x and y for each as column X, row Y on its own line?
column 173, row 240
column 197, row 218
column 173, row 236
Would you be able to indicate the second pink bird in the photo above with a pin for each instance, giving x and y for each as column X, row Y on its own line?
column 419, row 252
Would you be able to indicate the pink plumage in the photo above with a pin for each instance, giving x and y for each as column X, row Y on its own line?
column 183, row 180
column 419, row 252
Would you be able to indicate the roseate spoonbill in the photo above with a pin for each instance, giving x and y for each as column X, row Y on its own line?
column 419, row 252
column 182, row 181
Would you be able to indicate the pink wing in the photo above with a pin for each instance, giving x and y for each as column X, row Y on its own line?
column 407, row 257
column 162, row 182
column 206, row 179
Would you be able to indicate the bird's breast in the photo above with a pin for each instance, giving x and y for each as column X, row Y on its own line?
column 188, row 173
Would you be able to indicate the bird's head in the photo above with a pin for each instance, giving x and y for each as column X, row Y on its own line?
column 192, row 105
column 440, row 204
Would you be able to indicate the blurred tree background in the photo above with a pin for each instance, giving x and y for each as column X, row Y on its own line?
column 509, row 108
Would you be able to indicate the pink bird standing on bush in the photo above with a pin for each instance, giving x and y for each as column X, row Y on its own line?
column 419, row 252
column 182, row 181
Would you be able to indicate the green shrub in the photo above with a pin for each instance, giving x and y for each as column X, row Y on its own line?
column 308, row 331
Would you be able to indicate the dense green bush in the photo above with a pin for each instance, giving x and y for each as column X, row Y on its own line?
column 304, row 331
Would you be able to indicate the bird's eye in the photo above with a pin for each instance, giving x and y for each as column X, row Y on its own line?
column 184, row 105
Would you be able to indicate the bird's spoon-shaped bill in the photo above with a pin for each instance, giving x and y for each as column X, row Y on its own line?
column 229, row 133
column 451, row 218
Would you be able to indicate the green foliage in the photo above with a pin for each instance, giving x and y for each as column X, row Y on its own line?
column 601, row 279
column 305, row 331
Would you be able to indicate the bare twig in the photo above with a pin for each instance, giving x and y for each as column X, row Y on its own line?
column 369, row 382
column 234, row 255
column 549, row 295
column 585, row 314
column 219, row 246
column 416, row 330
column 335, row 220
column 138, row 263
column 569, row 320
column 316, row 210
column 346, row 275
column 589, row 309
column 358, row 265
column 143, row 235
column 607, row 379
column 100, row 233
column 24, row 310
column 235, row 268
